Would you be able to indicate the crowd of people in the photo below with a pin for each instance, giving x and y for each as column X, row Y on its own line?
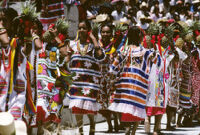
column 129, row 60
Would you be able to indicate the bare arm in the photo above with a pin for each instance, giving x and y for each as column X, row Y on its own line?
column 37, row 41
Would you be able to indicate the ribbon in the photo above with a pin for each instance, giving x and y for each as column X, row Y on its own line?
column 13, row 45
column 30, row 106
column 197, row 32
column 159, row 37
column 123, row 42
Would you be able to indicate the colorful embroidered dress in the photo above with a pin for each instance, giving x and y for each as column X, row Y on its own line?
column 133, row 68
column 158, row 85
column 86, row 84
column 195, row 82
column 47, row 94
column 51, row 11
column 186, row 84
column 13, row 82
column 174, row 80
column 105, row 92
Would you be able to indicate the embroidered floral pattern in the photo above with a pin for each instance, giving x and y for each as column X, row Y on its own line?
column 86, row 91
column 76, row 77
column 87, row 64
column 3, row 86
column 96, row 80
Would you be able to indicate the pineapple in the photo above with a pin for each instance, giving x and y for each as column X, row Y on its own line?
column 179, row 43
column 165, row 42
column 154, row 29
column 148, row 41
column 47, row 36
column 198, row 40
column 189, row 37
column 62, row 26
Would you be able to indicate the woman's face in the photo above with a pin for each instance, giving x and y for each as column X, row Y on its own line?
column 35, row 29
column 106, row 33
column 83, row 30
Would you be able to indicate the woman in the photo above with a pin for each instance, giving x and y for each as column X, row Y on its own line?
column 108, row 44
column 132, row 66
column 86, row 84
column 186, row 86
column 196, row 80
column 53, row 56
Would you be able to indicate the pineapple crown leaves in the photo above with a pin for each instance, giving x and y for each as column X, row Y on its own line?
column 1, row 3
column 29, row 10
column 120, row 27
column 154, row 29
column 169, row 31
column 185, row 31
column 62, row 25
column 195, row 25
column 96, row 27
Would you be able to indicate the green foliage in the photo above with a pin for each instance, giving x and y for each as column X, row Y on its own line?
column 95, row 29
column 120, row 27
column 154, row 29
column 195, row 25
column 62, row 26
column 29, row 10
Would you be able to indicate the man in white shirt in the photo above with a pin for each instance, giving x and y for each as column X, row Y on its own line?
column 118, row 13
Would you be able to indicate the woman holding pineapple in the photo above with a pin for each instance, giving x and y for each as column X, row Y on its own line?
column 86, row 84
column 53, row 58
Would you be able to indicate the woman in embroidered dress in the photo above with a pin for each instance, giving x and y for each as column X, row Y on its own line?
column 186, row 85
column 86, row 84
column 48, row 96
column 31, row 73
column 133, row 66
column 109, row 45
column 196, row 79
column 4, row 62
column 13, row 71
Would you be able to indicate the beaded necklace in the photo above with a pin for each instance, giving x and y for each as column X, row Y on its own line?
column 7, row 68
column 85, row 49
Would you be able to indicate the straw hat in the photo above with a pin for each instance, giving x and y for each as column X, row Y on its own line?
column 122, row 21
column 10, row 126
column 101, row 18
column 195, row 1
column 115, row 1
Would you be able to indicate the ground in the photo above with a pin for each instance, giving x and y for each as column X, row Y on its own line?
column 102, row 127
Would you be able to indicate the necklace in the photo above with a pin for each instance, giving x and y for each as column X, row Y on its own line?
column 8, row 55
column 84, row 51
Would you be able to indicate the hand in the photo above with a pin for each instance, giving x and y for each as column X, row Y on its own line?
column 54, row 31
column 33, row 32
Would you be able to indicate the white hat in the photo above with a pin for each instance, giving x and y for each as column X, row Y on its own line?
column 10, row 126
column 101, row 18
column 144, row 4
column 196, row 1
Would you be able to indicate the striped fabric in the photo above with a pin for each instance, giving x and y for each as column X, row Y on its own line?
column 51, row 11
column 186, row 84
column 131, row 89
column 85, row 87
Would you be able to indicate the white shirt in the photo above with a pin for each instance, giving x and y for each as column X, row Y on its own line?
column 117, row 16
